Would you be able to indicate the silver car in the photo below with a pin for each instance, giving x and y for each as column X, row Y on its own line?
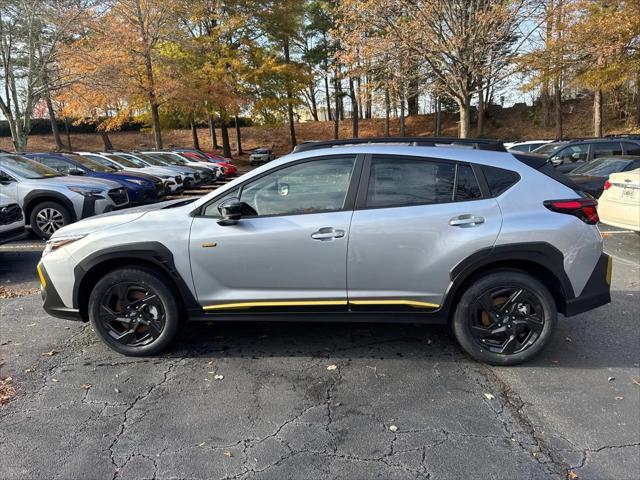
column 51, row 200
column 11, row 220
column 492, row 243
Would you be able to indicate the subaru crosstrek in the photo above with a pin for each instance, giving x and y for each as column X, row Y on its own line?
column 424, row 230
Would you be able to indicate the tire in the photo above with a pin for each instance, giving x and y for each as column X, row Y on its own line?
column 523, row 334
column 152, row 324
column 48, row 217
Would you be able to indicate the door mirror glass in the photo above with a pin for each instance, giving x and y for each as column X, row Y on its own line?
column 5, row 179
column 75, row 171
column 230, row 211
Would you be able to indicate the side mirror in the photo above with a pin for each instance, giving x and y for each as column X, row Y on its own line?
column 75, row 171
column 283, row 189
column 556, row 161
column 231, row 211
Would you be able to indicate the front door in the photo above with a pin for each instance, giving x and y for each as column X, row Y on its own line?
column 289, row 250
column 417, row 219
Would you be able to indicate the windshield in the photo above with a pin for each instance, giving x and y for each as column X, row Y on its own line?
column 26, row 168
column 166, row 158
column 151, row 159
column 127, row 161
column 88, row 163
column 602, row 167
column 261, row 150
column 548, row 148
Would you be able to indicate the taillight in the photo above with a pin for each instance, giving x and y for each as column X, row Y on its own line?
column 583, row 208
column 607, row 185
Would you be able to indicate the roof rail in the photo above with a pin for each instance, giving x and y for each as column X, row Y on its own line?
column 623, row 135
column 475, row 143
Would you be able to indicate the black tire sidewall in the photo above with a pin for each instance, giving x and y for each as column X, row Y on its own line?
column 66, row 216
column 461, row 320
column 160, row 286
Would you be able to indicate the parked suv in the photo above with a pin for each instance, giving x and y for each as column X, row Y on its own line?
column 11, row 220
column 579, row 152
column 261, row 155
column 493, row 243
column 51, row 200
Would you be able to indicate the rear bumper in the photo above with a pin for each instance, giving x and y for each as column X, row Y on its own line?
column 51, row 301
column 597, row 291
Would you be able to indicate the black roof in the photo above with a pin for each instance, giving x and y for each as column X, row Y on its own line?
column 475, row 143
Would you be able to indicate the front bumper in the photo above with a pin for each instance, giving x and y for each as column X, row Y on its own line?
column 51, row 301
column 597, row 291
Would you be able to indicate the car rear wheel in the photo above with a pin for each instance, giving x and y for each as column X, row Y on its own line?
column 48, row 217
column 134, row 311
column 505, row 318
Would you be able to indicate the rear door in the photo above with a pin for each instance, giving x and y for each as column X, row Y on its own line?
column 415, row 220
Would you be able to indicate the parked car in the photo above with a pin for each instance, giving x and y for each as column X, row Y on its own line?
column 207, row 175
column 51, row 200
column 172, row 157
column 141, row 188
column 619, row 204
column 198, row 156
column 261, row 155
column 11, row 220
column 578, row 152
column 491, row 242
column 527, row 146
column 591, row 177
column 548, row 149
column 172, row 182
column 190, row 177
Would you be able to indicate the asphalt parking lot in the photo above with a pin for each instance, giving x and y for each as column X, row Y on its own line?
column 318, row 401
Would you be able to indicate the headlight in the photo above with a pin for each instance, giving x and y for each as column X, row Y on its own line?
column 55, row 243
column 87, row 192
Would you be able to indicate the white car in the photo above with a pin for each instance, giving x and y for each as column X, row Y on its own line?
column 619, row 204
column 172, row 181
column 11, row 220
column 528, row 146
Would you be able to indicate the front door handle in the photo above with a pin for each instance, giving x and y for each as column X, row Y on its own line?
column 327, row 233
column 466, row 221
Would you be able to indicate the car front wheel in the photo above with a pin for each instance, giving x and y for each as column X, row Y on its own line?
column 48, row 217
column 134, row 311
column 505, row 318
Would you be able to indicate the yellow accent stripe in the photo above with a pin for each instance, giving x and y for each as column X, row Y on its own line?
column 609, row 271
column 42, row 280
column 305, row 303
column 410, row 303
column 275, row 304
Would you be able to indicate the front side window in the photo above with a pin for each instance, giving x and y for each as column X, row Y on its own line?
column 574, row 153
column 607, row 149
column 310, row 187
column 26, row 168
column 405, row 181
column 57, row 164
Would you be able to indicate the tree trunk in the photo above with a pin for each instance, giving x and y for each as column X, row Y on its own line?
column 558, row 107
column 480, row 125
column 597, row 113
column 66, row 130
column 336, row 116
column 212, row 132
column 314, row 104
column 402, row 101
column 292, row 127
column 54, row 124
column 413, row 98
column 387, row 111
column 369, row 108
column 359, row 96
column 638, row 99
column 155, row 122
column 226, row 146
column 238, row 138
column 354, row 110
column 106, row 140
column 464, row 126
column 328, row 97
column 339, row 99
column 194, row 135
column 437, row 130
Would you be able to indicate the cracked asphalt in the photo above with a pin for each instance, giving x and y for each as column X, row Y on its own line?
column 86, row 412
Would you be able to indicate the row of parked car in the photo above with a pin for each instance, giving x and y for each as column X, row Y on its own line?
column 49, row 190
column 605, row 168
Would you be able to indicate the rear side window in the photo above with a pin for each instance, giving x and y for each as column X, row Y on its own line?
column 499, row 179
column 396, row 182
column 631, row 148
column 607, row 149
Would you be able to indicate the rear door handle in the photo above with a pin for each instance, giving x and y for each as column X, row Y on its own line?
column 327, row 233
column 466, row 221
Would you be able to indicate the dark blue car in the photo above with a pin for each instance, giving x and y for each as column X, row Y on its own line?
column 141, row 187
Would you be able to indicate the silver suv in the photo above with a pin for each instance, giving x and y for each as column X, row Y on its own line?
column 492, row 243
column 51, row 200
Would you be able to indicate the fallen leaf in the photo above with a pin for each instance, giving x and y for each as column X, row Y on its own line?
column 218, row 377
column 28, row 370
column 211, row 362
column 571, row 475
column 619, row 398
column 55, row 380
column 50, row 353
column 201, row 444
column 429, row 342
column 117, row 390
column 393, row 428
column 611, row 379
column 535, row 455
column 636, row 381
column 86, row 386
column 228, row 454
column 489, row 396
column 332, row 367
column 567, row 339
column 8, row 379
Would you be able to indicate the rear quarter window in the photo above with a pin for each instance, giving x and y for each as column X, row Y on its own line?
column 499, row 180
